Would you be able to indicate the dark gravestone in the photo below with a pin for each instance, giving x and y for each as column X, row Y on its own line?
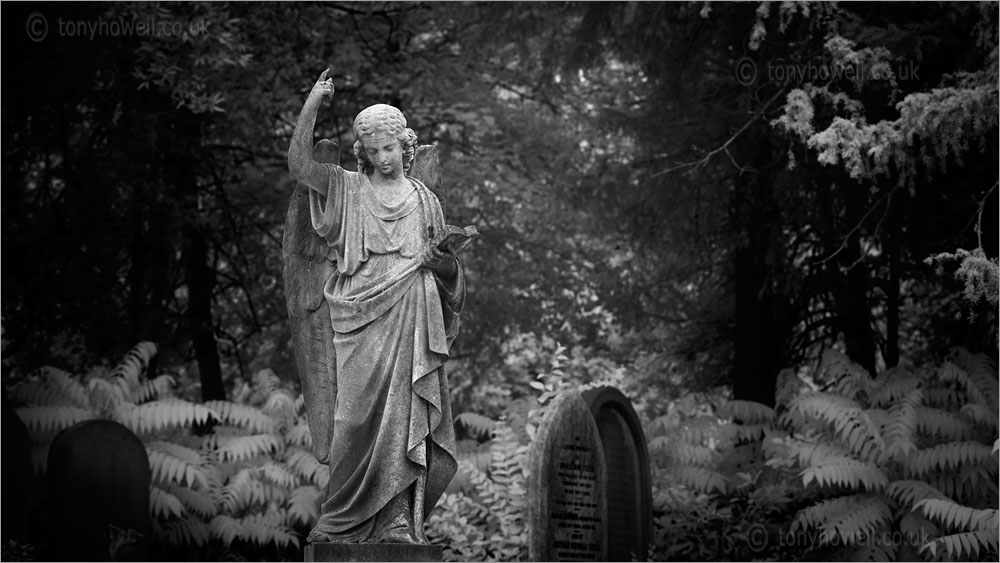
column 629, row 502
column 97, row 494
column 21, row 496
column 566, row 486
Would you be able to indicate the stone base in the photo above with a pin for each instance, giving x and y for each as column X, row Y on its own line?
column 372, row 552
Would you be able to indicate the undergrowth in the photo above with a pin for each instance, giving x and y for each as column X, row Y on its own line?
column 231, row 480
column 902, row 466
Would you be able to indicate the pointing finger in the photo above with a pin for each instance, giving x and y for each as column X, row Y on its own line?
column 323, row 76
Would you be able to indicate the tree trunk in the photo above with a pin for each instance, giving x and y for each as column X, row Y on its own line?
column 853, row 304
column 200, row 283
column 760, row 336
column 892, row 291
column 757, row 351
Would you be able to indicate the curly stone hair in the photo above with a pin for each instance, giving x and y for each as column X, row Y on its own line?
column 386, row 120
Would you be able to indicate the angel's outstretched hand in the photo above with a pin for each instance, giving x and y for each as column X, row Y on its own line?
column 323, row 87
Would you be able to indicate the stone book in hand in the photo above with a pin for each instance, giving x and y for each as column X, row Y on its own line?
column 457, row 238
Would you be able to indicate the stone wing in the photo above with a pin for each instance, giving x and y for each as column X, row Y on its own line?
column 307, row 267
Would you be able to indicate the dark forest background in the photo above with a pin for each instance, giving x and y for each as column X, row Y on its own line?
column 684, row 197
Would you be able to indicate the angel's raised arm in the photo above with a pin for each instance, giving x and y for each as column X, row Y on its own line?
column 300, row 161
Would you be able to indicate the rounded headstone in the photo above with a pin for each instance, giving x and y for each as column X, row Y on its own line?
column 98, row 494
column 566, row 486
column 629, row 494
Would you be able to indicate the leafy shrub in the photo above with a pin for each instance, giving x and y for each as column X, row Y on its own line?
column 714, row 497
column 229, row 479
column 490, row 522
column 902, row 466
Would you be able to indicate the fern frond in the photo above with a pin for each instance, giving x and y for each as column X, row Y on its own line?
column 747, row 412
column 279, row 474
column 937, row 423
column 280, row 406
column 879, row 548
column 899, row 433
column 164, row 505
column 245, row 416
column 917, row 530
column 243, row 490
column 257, row 529
column 51, row 387
column 173, row 463
column 943, row 397
column 702, row 430
column 198, row 501
column 977, row 482
column 478, row 425
column 852, row 521
column 106, row 397
column 787, row 387
column 134, row 363
column 894, row 384
column 909, row 491
column 242, row 448
column 299, row 435
column 954, row 516
column 266, row 529
column 827, row 407
column 703, row 480
column 982, row 416
column 152, row 389
column 304, row 504
column 949, row 372
column 184, row 531
column 982, row 372
column 226, row 528
column 692, row 455
column 850, row 422
column 304, row 464
column 163, row 414
column 965, row 546
column 846, row 472
column 852, row 381
column 479, row 455
column 809, row 452
column 51, row 419
column 734, row 434
column 660, row 444
column 948, row 457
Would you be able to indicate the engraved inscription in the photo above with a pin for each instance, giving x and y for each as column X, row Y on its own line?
column 575, row 517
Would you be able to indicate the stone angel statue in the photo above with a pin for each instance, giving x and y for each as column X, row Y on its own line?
column 374, row 305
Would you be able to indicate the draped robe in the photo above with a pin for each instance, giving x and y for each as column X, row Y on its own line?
column 392, row 448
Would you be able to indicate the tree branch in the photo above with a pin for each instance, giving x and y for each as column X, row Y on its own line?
column 694, row 165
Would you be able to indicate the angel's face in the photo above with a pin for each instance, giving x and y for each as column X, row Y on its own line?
column 385, row 152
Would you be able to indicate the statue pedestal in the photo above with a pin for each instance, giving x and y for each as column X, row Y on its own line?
column 372, row 552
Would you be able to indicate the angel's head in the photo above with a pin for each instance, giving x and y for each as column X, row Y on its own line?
column 384, row 142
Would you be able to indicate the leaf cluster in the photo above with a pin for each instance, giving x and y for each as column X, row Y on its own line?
column 226, row 477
